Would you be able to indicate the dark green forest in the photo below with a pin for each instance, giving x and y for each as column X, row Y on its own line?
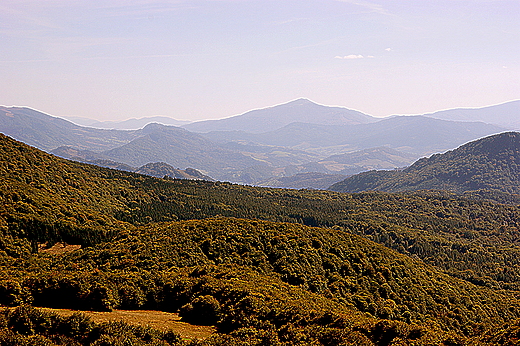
column 265, row 266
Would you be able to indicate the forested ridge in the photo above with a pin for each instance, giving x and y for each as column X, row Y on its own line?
column 491, row 163
column 251, row 264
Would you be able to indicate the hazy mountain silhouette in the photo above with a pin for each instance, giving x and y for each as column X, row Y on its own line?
column 272, row 118
column 506, row 114
column 47, row 132
column 129, row 124
column 179, row 148
column 311, row 180
column 367, row 159
column 418, row 135
column 155, row 169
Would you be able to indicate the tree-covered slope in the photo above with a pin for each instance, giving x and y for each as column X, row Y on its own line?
column 259, row 282
column 491, row 163
column 45, row 198
column 333, row 263
column 263, row 277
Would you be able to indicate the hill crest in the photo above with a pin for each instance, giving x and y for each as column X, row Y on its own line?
column 491, row 163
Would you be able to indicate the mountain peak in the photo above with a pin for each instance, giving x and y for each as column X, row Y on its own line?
column 300, row 102
column 272, row 118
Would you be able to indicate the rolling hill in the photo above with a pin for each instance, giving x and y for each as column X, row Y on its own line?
column 309, row 180
column 490, row 163
column 253, row 280
column 161, row 170
column 52, row 198
column 367, row 159
column 179, row 148
column 332, row 169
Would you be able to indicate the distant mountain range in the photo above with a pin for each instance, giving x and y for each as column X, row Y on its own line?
column 262, row 145
column 332, row 169
column 320, row 181
column 47, row 132
column 180, row 148
column 272, row 118
column 129, row 124
column 491, row 163
column 367, row 159
column 417, row 135
column 505, row 115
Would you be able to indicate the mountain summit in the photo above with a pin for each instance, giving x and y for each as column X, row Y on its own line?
column 491, row 163
column 272, row 118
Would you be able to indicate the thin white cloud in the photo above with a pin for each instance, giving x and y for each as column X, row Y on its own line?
column 351, row 56
column 388, row 49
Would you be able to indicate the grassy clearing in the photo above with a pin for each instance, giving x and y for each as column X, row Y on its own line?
column 154, row 319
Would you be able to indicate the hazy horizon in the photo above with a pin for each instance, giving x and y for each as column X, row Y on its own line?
column 70, row 118
column 195, row 60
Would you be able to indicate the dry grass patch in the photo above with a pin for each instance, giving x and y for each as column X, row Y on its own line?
column 58, row 248
column 154, row 319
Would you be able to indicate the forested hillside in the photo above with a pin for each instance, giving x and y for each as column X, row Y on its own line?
column 259, row 282
column 491, row 163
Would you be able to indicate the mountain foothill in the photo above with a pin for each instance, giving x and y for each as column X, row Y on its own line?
column 277, row 145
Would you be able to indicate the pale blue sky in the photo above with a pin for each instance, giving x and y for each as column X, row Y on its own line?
column 113, row 60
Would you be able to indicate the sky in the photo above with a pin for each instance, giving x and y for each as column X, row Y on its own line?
column 194, row 60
